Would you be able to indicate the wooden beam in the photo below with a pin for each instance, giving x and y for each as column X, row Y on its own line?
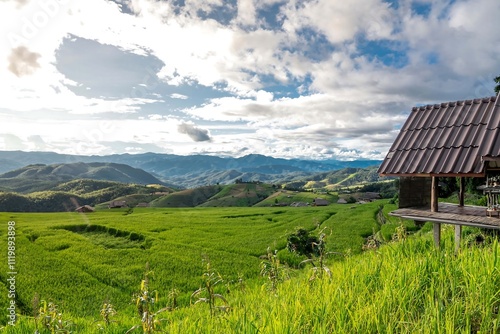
column 429, row 175
column 448, row 221
column 437, row 234
column 461, row 192
column 458, row 237
column 434, row 194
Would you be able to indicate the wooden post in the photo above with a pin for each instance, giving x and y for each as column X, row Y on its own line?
column 437, row 234
column 434, row 194
column 458, row 236
column 435, row 208
column 461, row 192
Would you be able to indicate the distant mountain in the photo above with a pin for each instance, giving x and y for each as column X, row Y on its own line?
column 193, row 170
column 68, row 196
column 46, row 188
column 343, row 178
column 40, row 177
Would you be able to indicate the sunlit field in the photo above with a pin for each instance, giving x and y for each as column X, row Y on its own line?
column 227, row 270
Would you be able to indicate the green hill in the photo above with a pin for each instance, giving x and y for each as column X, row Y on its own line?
column 240, row 194
column 68, row 196
column 45, row 177
column 59, row 187
column 45, row 201
column 287, row 197
column 86, row 186
column 186, row 198
column 337, row 179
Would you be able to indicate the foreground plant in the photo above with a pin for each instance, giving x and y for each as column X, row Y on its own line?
column 400, row 234
column 206, row 293
column 36, row 310
column 172, row 298
column 107, row 313
column 51, row 318
column 272, row 269
column 319, row 267
column 145, row 303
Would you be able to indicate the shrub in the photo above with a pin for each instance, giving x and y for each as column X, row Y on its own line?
column 302, row 243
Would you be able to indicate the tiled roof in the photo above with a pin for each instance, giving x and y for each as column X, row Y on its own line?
column 447, row 139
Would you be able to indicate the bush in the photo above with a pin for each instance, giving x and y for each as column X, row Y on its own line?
column 302, row 243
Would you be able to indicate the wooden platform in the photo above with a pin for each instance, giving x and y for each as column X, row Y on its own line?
column 451, row 214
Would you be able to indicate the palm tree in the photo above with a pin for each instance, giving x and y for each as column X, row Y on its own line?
column 497, row 87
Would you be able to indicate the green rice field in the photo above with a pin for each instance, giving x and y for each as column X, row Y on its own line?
column 223, row 270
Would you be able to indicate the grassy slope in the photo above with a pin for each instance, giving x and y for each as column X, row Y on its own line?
column 186, row 198
column 405, row 287
column 70, row 195
column 63, row 266
column 339, row 178
column 289, row 196
column 241, row 194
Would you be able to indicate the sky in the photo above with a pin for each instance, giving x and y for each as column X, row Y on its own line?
column 308, row 79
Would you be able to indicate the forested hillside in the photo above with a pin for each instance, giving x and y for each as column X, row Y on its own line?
column 193, row 170
column 42, row 177
column 64, row 187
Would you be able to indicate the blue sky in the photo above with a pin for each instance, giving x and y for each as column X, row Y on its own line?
column 313, row 79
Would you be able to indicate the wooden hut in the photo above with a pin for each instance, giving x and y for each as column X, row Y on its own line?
column 85, row 209
column 117, row 204
column 454, row 139
column 320, row 202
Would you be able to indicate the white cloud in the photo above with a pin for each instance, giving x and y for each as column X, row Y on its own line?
column 340, row 21
column 319, row 120
column 310, row 86
column 179, row 96
column 246, row 12
column 461, row 35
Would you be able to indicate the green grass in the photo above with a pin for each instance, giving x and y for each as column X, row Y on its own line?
column 290, row 196
column 98, row 253
column 404, row 287
column 241, row 194
column 79, row 261
column 187, row 198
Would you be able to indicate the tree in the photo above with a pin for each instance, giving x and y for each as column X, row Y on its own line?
column 497, row 87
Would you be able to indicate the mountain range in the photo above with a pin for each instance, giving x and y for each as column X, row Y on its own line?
column 41, row 177
column 181, row 171
column 44, row 184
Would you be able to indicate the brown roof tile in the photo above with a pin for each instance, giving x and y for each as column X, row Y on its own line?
column 446, row 139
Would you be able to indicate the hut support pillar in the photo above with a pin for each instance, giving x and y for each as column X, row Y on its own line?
column 434, row 194
column 461, row 193
column 458, row 236
column 437, row 234
column 435, row 208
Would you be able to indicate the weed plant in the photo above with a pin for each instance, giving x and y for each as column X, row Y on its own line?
column 145, row 302
column 272, row 269
column 207, row 292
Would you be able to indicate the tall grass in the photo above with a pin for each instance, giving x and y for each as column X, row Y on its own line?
column 94, row 258
column 404, row 287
